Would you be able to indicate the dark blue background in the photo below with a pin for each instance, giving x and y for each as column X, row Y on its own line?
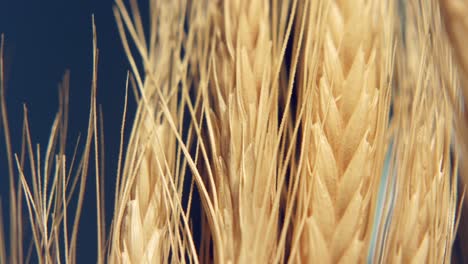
column 43, row 39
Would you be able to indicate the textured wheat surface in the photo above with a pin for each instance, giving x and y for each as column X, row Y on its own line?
column 423, row 223
column 456, row 21
column 242, row 131
column 148, row 218
column 347, row 102
column 273, row 119
column 455, row 15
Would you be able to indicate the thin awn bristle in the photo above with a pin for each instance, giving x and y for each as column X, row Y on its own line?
column 15, row 237
column 49, row 184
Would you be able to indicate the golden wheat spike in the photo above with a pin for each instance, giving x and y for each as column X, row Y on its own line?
column 242, row 132
column 346, row 102
column 150, row 224
column 455, row 13
column 422, row 227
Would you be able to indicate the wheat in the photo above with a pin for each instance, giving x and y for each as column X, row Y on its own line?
column 345, row 96
column 242, row 138
column 239, row 144
column 15, row 232
column 149, row 221
column 54, row 183
column 456, row 24
column 15, row 202
column 422, row 226
column 304, row 139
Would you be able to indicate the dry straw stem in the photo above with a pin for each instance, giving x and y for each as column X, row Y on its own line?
column 422, row 227
column 150, row 224
column 49, row 184
column 343, row 88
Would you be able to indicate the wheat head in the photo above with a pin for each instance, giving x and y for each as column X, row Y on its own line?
column 241, row 106
column 422, row 226
column 344, row 93
column 150, row 224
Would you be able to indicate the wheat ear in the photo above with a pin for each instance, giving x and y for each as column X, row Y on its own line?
column 346, row 103
column 242, row 131
column 422, row 226
column 241, row 100
column 455, row 13
column 150, row 224
column 51, row 182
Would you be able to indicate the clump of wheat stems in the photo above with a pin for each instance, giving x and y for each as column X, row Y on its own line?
column 312, row 131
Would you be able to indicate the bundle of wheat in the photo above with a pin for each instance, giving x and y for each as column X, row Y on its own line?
column 305, row 141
